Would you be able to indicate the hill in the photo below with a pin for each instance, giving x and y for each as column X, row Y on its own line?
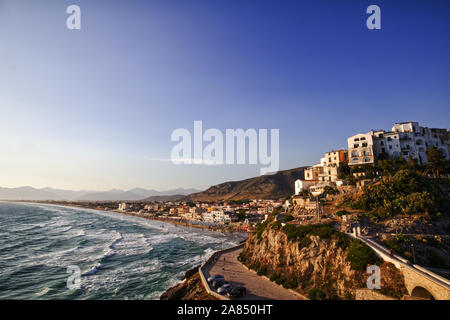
column 274, row 186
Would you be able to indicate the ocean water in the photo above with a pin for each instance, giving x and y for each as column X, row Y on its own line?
column 120, row 257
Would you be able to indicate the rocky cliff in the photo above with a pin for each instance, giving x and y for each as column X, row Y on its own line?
column 191, row 288
column 316, row 261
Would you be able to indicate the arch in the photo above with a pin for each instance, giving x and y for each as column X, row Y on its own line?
column 421, row 292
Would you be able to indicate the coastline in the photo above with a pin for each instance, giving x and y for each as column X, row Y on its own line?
column 190, row 286
column 222, row 229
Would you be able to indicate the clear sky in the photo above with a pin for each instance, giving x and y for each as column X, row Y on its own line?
column 94, row 108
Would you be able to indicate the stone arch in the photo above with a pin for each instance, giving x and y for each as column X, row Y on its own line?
column 421, row 292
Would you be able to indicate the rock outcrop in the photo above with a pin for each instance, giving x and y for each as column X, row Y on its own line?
column 190, row 288
column 318, row 267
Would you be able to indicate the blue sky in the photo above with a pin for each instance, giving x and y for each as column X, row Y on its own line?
column 93, row 108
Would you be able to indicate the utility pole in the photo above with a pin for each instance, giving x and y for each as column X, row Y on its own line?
column 413, row 254
column 318, row 209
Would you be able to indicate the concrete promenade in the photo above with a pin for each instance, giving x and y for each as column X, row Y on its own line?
column 258, row 288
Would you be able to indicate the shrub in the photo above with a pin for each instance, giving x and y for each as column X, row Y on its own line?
column 304, row 243
column 397, row 243
column 288, row 218
column 406, row 192
column 316, row 294
column 330, row 190
column 360, row 255
column 276, row 225
column 435, row 260
column 262, row 226
column 340, row 213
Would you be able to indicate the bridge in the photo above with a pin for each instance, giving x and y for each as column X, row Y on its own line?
column 420, row 282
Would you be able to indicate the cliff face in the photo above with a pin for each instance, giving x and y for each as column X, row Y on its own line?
column 190, row 289
column 317, row 267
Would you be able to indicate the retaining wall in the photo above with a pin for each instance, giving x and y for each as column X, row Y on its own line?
column 203, row 278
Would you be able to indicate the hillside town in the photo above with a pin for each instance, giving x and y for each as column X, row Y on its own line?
column 406, row 140
column 343, row 168
column 386, row 193
column 236, row 215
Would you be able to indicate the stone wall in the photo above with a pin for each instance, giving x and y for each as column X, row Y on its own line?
column 368, row 294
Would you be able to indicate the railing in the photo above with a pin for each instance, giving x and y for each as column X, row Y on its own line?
column 208, row 261
column 398, row 261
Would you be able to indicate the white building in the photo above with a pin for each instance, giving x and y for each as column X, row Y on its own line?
column 123, row 206
column 216, row 216
column 303, row 185
column 406, row 139
column 360, row 149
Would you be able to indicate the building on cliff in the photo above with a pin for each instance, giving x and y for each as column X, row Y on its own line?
column 406, row 139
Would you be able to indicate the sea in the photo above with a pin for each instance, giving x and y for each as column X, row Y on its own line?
column 57, row 252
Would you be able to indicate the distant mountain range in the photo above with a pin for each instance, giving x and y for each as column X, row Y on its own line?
column 30, row 193
column 274, row 186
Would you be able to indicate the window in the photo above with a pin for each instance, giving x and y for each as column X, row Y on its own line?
column 356, row 145
column 356, row 139
column 364, row 144
column 390, row 147
column 355, row 160
column 362, row 138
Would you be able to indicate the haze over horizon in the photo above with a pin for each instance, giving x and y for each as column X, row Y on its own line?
column 94, row 109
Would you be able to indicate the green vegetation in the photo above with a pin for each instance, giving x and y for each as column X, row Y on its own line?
column 329, row 190
column 437, row 164
column 276, row 225
column 305, row 194
column 407, row 192
column 397, row 243
column 262, row 226
column 304, row 243
column 288, row 218
column 435, row 260
column 316, row 294
column 341, row 213
column 360, row 255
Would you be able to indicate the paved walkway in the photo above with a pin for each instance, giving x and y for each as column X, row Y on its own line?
column 258, row 288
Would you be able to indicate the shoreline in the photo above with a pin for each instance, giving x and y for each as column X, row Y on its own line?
column 195, row 286
column 221, row 229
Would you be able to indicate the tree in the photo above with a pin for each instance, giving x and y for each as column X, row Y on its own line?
column 436, row 161
column 344, row 168
column 411, row 162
